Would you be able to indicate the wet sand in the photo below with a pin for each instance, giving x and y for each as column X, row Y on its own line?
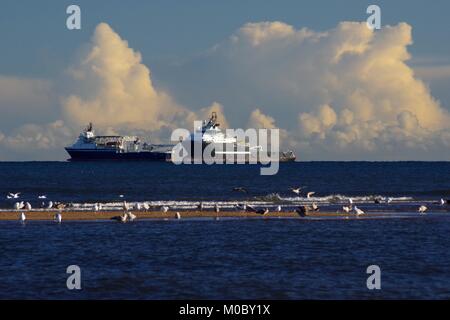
column 106, row 215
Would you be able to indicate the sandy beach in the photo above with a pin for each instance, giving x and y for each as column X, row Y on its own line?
column 106, row 215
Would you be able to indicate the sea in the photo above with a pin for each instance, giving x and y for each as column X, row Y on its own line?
column 230, row 258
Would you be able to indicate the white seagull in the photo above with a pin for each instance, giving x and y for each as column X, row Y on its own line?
column 22, row 217
column 358, row 211
column 309, row 194
column 131, row 216
column 442, row 202
column 216, row 208
column 96, row 207
column 13, row 195
column 164, row 209
column 28, row 206
column 347, row 208
column 296, row 190
column 278, row 209
column 42, row 196
column 58, row 217
column 178, row 216
column 50, row 205
column 146, row 206
column 315, row 207
column 422, row 209
column 350, row 200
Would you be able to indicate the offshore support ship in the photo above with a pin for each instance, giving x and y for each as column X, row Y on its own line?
column 222, row 146
column 92, row 147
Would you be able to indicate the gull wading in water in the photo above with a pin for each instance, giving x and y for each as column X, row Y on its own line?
column 22, row 217
column 216, row 208
column 422, row 209
column 58, row 217
column 178, row 215
column 442, row 202
column 358, row 211
column 278, row 209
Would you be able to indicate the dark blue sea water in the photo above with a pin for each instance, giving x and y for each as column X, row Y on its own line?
column 229, row 258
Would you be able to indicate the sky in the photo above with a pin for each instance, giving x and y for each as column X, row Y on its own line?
column 336, row 89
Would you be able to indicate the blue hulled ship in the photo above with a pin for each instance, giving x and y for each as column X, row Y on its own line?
column 92, row 147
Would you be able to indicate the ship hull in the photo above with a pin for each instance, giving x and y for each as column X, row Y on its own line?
column 89, row 155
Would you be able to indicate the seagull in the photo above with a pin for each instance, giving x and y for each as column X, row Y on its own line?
column 263, row 211
column 309, row 194
column 347, row 209
column 315, row 207
column 358, row 211
column 278, row 209
column 126, row 206
column 22, row 217
column 240, row 189
column 17, row 206
column 388, row 200
column 146, row 206
column 60, row 206
column 164, row 209
column 122, row 218
column 50, row 205
column 296, row 190
column 200, row 206
column 216, row 208
column 121, row 196
column 178, row 215
column 301, row 211
column 28, row 206
column 58, row 217
column 96, row 207
column 350, row 200
column 442, row 202
column 13, row 195
column 422, row 209
column 42, row 196
column 131, row 216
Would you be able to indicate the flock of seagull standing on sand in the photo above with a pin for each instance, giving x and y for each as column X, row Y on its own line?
column 128, row 216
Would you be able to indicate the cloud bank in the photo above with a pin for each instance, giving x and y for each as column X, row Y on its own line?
column 345, row 93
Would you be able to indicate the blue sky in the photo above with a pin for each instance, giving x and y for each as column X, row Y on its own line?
column 36, row 42
column 174, row 37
